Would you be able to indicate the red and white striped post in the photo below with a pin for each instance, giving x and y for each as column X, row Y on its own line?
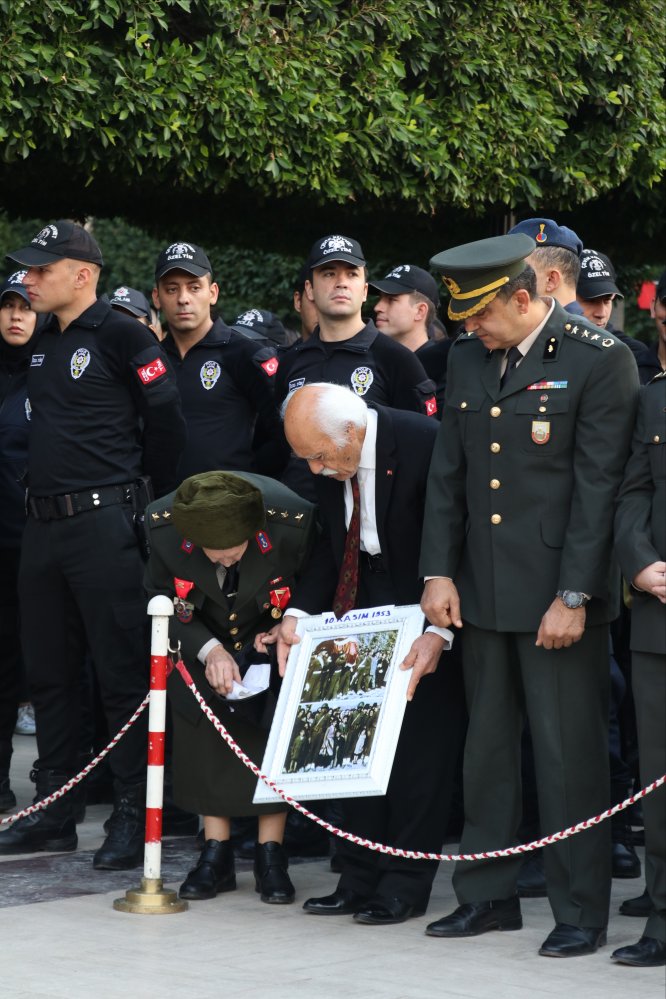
column 151, row 897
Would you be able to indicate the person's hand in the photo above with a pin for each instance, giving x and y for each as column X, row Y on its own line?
column 221, row 670
column 441, row 604
column 652, row 579
column 561, row 626
column 286, row 637
column 265, row 638
column 422, row 658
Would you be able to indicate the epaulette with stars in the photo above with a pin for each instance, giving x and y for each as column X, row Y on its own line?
column 278, row 515
column 593, row 335
column 159, row 517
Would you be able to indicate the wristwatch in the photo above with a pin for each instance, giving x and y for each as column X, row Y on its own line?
column 572, row 599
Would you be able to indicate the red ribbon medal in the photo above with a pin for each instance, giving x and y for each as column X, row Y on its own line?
column 280, row 597
column 184, row 609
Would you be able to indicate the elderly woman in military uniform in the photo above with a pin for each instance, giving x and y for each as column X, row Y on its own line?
column 226, row 547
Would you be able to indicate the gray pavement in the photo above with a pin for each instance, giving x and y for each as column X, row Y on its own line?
column 76, row 945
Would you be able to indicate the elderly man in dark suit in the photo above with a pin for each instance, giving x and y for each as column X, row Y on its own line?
column 371, row 466
column 517, row 544
column 640, row 541
column 227, row 548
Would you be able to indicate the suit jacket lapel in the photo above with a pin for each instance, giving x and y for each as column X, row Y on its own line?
column 386, row 462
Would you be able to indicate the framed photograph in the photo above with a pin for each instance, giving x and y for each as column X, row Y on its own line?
column 341, row 705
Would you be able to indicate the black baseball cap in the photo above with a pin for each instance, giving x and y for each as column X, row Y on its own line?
column 259, row 324
column 661, row 288
column 336, row 248
column 597, row 276
column 14, row 284
column 57, row 241
column 182, row 257
column 406, row 278
column 131, row 300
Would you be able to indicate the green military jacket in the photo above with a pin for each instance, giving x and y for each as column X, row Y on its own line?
column 271, row 562
column 523, row 478
column 640, row 519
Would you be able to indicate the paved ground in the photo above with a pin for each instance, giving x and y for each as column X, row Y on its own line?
column 61, row 939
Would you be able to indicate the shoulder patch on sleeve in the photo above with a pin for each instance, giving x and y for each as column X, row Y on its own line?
column 598, row 338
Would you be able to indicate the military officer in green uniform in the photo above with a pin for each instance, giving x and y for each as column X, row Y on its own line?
column 640, row 543
column 517, row 546
column 226, row 547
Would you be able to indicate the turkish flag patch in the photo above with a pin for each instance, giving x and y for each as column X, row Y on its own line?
column 149, row 372
column 431, row 406
column 270, row 366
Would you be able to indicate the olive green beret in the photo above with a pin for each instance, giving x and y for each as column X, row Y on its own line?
column 218, row 510
column 475, row 272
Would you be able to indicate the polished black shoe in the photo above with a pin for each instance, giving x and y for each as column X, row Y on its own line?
column 473, row 918
column 341, row 903
column 271, row 880
column 379, row 911
column 124, row 845
column 625, row 861
column 532, row 878
column 213, row 874
column 639, row 906
column 572, row 941
column 7, row 796
column 52, row 829
column 647, row 953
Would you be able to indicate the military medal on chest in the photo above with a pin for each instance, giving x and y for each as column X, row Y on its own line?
column 279, row 597
column 183, row 608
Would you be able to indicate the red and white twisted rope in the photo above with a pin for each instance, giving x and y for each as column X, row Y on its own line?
column 45, row 802
column 395, row 851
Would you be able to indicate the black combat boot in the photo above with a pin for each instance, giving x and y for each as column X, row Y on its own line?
column 214, row 872
column 270, row 874
column 52, row 828
column 123, row 847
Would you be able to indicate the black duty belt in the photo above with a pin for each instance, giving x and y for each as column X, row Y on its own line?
column 71, row 504
column 375, row 563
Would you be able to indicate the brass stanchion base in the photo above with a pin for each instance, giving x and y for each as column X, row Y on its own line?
column 150, row 899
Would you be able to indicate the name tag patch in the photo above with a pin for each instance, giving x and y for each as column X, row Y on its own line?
column 37, row 360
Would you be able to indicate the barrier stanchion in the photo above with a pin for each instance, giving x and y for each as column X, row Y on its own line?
column 151, row 898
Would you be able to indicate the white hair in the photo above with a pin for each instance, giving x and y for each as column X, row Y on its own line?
column 334, row 409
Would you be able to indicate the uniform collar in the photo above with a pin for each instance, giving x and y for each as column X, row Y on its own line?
column 360, row 343
column 91, row 318
column 219, row 333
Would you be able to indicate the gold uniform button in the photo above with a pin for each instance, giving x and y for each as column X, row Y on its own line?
column 233, row 631
column 238, row 646
column 463, row 405
column 495, row 411
column 496, row 519
column 495, row 447
column 656, row 438
column 542, row 409
column 495, row 483
column 232, row 617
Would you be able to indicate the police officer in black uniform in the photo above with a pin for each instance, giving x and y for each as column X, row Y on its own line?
column 346, row 351
column 105, row 416
column 225, row 379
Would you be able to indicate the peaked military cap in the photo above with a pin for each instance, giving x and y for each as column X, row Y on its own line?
column 475, row 272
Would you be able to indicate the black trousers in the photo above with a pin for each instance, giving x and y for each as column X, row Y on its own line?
column 413, row 814
column 80, row 587
column 12, row 679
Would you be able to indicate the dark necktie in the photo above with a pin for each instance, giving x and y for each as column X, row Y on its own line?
column 512, row 358
column 230, row 585
column 347, row 588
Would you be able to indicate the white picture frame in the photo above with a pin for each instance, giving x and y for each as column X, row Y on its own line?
column 341, row 705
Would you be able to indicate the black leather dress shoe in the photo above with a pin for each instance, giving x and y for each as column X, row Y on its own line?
column 639, row 906
column 625, row 861
column 647, row 953
column 340, row 903
column 572, row 941
column 473, row 918
column 213, row 874
column 532, row 878
column 379, row 911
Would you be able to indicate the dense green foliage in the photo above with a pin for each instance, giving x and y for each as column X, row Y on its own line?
column 470, row 105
